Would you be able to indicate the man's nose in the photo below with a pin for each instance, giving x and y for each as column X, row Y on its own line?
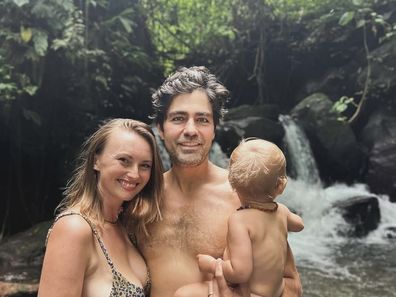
column 190, row 128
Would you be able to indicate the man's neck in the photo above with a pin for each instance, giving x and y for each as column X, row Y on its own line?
column 187, row 178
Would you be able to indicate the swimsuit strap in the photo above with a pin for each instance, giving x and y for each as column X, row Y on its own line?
column 94, row 231
column 263, row 206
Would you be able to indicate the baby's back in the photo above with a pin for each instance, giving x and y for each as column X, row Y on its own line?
column 268, row 233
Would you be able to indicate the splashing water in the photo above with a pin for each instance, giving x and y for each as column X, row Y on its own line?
column 331, row 264
column 299, row 153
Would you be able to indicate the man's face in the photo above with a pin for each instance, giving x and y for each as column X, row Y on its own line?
column 188, row 129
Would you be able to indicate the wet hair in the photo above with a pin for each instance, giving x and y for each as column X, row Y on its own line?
column 187, row 80
column 256, row 168
column 82, row 189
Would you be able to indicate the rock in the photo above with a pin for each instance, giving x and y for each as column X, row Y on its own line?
column 244, row 111
column 18, row 290
column 380, row 126
column 333, row 142
column 362, row 212
column 21, row 257
column 381, row 176
column 249, row 121
column 383, row 74
column 229, row 133
column 228, row 136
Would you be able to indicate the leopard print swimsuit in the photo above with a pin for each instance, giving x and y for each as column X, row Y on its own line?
column 121, row 287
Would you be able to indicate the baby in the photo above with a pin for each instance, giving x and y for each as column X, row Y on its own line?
column 255, row 255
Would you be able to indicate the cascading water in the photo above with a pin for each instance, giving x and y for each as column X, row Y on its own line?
column 331, row 264
column 299, row 153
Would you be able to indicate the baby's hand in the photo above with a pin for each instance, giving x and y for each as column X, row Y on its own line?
column 206, row 263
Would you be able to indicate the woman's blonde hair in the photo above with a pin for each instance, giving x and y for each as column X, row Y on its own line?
column 256, row 167
column 82, row 192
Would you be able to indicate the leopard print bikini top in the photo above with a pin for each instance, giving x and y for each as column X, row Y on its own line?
column 121, row 287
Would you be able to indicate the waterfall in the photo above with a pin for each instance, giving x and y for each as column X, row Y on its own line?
column 320, row 246
column 299, row 151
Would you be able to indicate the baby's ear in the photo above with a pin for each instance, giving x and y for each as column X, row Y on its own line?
column 281, row 184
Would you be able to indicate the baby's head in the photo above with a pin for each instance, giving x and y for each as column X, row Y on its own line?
column 257, row 170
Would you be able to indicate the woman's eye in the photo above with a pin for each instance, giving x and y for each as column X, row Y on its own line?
column 124, row 160
column 146, row 166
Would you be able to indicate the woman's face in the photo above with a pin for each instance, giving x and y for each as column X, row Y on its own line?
column 124, row 166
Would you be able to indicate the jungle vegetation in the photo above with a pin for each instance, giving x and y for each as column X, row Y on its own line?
column 67, row 64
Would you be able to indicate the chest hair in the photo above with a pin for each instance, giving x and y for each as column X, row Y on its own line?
column 193, row 228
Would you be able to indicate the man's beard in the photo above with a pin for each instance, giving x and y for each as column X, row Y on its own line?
column 187, row 160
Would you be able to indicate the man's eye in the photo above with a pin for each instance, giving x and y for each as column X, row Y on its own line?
column 177, row 119
column 203, row 120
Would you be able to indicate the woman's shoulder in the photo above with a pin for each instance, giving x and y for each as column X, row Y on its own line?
column 71, row 226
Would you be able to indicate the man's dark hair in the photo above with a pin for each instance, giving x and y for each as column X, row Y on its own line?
column 186, row 80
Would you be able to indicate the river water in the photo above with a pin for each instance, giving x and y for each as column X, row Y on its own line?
column 330, row 264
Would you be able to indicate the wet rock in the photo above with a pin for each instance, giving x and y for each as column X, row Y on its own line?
column 333, row 143
column 231, row 132
column 18, row 290
column 383, row 74
column 228, row 136
column 362, row 212
column 244, row 111
column 381, row 176
column 249, row 121
column 380, row 127
column 21, row 257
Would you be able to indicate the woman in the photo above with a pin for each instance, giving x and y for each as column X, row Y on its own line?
column 117, row 188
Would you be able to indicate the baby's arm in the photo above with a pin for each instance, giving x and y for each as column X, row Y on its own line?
column 294, row 222
column 239, row 267
column 206, row 263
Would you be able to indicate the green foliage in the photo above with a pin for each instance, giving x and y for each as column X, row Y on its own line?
column 180, row 27
column 364, row 15
column 28, row 30
column 342, row 105
column 13, row 84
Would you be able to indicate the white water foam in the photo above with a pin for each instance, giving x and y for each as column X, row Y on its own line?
column 319, row 244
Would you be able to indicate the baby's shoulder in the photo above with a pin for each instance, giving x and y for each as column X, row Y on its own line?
column 282, row 208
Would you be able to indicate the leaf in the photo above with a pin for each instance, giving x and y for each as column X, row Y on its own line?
column 20, row 3
column 360, row 23
column 358, row 2
column 31, row 90
column 346, row 18
column 26, row 34
column 33, row 116
column 40, row 40
column 126, row 23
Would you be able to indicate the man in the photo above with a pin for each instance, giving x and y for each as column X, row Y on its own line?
column 197, row 196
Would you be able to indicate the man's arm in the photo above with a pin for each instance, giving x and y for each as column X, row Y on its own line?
column 291, row 277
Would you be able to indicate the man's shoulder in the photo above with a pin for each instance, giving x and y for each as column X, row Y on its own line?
column 218, row 175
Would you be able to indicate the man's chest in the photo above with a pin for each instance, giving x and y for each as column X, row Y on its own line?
column 199, row 227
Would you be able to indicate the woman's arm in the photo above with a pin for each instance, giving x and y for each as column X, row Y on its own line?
column 66, row 258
